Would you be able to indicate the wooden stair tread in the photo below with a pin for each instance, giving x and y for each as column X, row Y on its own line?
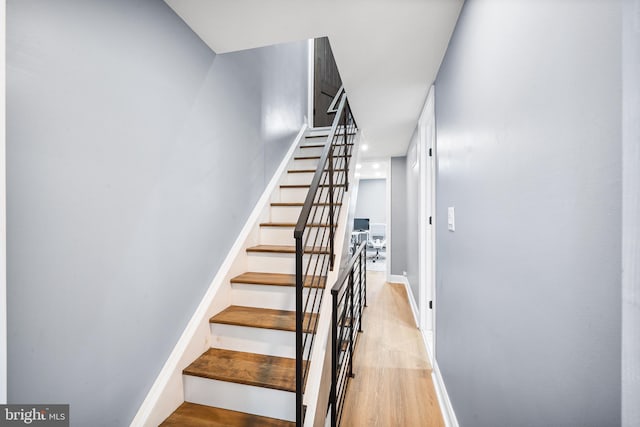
column 286, row 249
column 277, row 279
column 308, row 185
column 316, row 157
column 289, row 224
column 194, row 415
column 327, row 135
column 310, row 170
column 300, row 204
column 278, row 373
column 263, row 318
column 324, row 144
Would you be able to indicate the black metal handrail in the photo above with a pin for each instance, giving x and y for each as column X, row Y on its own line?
column 315, row 234
column 349, row 297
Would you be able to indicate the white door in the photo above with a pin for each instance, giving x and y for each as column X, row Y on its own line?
column 426, row 149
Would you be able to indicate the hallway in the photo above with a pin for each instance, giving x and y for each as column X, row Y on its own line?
column 392, row 384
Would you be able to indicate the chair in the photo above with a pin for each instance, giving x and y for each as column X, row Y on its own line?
column 377, row 239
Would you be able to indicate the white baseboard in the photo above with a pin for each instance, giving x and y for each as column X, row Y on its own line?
column 441, row 391
column 449, row 416
column 395, row 278
column 166, row 393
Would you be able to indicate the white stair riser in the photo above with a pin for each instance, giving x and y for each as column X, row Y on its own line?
column 305, row 164
column 240, row 397
column 310, row 151
column 320, row 134
column 299, row 178
column 285, row 213
column 317, row 132
column 256, row 340
column 277, row 236
column 284, row 235
column 293, row 194
column 275, row 263
column 263, row 296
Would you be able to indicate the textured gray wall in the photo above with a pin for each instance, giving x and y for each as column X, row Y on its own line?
column 529, row 153
column 631, row 215
column 398, row 223
column 372, row 200
column 135, row 155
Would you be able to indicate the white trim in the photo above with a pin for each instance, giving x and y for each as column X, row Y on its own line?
column 394, row 278
column 172, row 367
column 389, row 221
column 427, row 246
column 3, row 216
column 423, row 290
column 311, row 75
column 446, row 408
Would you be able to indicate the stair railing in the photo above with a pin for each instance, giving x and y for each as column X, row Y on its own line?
column 315, row 235
column 349, row 297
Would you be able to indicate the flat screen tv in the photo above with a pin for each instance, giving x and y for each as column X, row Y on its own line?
column 361, row 224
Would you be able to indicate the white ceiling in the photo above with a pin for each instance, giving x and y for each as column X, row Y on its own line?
column 372, row 169
column 388, row 51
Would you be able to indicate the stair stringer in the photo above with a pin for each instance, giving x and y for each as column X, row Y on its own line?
column 167, row 392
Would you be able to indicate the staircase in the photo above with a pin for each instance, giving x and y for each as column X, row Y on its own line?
column 248, row 376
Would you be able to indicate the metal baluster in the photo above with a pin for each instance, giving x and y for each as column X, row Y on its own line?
column 346, row 168
column 299, row 317
column 331, row 219
column 360, row 292
column 334, row 360
column 352, row 325
column 364, row 266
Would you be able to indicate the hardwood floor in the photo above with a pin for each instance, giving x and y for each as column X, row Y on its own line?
column 392, row 384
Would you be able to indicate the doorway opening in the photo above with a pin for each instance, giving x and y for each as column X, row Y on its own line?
column 326, row 82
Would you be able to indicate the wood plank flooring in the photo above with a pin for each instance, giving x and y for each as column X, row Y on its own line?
column 392, row 384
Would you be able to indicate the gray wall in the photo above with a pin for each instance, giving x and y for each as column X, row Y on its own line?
column 134, row 157
column 529, row 152
column 631, row 215
column 372, row 200
column 398, row 223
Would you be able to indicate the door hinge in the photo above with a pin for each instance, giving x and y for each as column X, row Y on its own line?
column 431, row 305
column 430, row 219
column 430, row 152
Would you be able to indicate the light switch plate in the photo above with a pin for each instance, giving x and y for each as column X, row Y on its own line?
column 451, row 218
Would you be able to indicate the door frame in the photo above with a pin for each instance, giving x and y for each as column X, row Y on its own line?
column 310, row 81
column 427, row 204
